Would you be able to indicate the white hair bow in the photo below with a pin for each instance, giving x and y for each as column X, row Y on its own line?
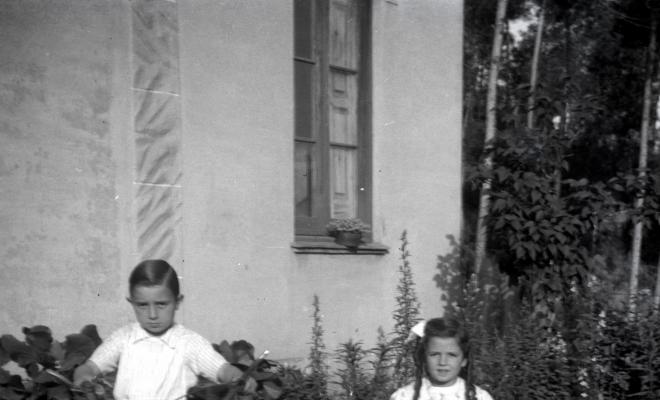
column 416, row 331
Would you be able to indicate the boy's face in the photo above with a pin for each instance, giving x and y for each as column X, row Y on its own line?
column 154, row 307
column 444, row 360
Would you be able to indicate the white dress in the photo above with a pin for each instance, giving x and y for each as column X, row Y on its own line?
column 430, row 392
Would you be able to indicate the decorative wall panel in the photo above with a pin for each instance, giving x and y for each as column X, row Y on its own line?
column 157, row 123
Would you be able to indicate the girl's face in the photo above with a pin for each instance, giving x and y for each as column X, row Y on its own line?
column 444, row 360
column 154, row 307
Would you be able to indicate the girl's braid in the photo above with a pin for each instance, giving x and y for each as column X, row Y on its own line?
column 470, row 388
column 419, row 369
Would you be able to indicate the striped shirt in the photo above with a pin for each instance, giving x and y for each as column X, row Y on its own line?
column 156, row 367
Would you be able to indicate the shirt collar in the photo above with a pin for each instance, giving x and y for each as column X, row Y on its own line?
column 457, row 386
column 168, row 338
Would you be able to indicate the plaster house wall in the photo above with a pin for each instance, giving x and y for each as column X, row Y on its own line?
column 64, row 164
column 144, row 129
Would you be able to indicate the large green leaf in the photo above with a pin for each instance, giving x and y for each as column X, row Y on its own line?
column 59, row 392
column 225, row 350
column 211, row 392
column 91, row 332
column 24, row 355
column 7, row 379
column 39, row 337
column 10, row 394
column 78, row 347
column 11, row 386
column 4, row 356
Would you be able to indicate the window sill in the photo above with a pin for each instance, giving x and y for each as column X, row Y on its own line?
column 325, row 245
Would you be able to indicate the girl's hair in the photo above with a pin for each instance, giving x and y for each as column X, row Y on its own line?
column 442, row 328
column 153, row 273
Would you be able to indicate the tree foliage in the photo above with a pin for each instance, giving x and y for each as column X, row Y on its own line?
column 563, row 192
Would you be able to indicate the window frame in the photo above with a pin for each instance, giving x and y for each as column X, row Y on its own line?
column 312, row 228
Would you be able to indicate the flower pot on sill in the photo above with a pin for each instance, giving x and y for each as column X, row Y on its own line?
column 348, row 239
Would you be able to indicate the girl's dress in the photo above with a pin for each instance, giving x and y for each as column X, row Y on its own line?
column 430, row 392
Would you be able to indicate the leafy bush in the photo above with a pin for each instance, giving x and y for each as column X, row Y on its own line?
column 586, row 347
column 240, row 354
column 49, row 366
column 557, row 330
column 589, row 348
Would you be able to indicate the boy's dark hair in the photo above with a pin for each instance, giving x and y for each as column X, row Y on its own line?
column 153, row 273
column 444, row 328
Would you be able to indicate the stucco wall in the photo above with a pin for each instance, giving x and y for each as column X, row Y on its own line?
column 77, row 110
column 417, row 140
column 237, row 100
column 62, row 205
column 237, row 115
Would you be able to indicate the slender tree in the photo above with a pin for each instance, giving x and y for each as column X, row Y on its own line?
column 533, row 80
column 643, row 152
column 491, row 121
column 656, row 293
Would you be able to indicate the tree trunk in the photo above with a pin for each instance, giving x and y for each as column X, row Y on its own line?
column 470, row 82
column 654, row 122
column 565, row 121
column 535, row 67
column 656, row 294
column 491, row 120
column 643, row 144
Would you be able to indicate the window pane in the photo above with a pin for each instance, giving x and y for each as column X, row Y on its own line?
column 343, row 183
column 343, row 34
column 303, row 99
column 343, row 108
column 302, row 14
column 303, row 176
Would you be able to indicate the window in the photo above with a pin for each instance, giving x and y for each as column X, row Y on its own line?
column 332, row 113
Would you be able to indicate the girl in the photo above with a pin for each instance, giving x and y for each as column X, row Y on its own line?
column 441, row 353
column 155, row 358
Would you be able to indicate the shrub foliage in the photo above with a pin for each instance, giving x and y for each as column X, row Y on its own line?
column 580, row 345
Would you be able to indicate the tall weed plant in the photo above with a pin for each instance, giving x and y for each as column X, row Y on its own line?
column 406, row 315
column 312, row 382
column 361, row 373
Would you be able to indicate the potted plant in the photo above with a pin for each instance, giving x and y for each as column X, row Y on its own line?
column 347, row 231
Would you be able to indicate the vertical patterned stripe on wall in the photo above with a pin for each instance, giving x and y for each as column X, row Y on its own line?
column 157, row 123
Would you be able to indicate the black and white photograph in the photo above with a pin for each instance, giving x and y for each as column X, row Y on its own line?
column 329, row 200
